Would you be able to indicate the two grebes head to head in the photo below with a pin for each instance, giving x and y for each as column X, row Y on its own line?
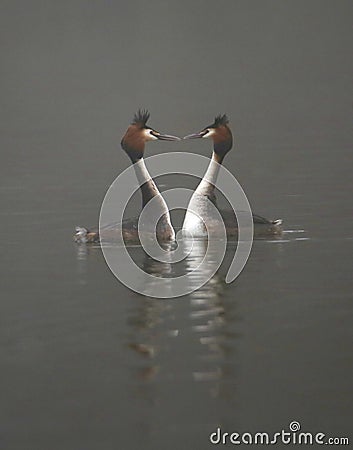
column 133, row 143
column 138, row 133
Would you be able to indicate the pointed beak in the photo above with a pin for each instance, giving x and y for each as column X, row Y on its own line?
column 167, row 137
column 199, row 135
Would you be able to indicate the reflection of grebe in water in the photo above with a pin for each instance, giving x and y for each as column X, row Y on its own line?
column 222, row 138
column 158, row 328
column 133, row 143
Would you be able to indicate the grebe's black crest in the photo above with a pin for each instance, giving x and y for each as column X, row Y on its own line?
column 219, row 121
column 141, row 118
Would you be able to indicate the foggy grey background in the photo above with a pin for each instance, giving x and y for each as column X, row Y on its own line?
column 72, row 75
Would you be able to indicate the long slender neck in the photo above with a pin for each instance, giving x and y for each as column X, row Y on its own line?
column 147, row 185
column 149, row 190
column 207, row 184
column 198, row 208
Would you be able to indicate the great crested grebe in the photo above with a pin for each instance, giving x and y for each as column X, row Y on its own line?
column 133, row 142
column 222, row 138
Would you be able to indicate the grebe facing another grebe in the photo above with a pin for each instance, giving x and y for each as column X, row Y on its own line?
column 133, row 143
column 222, row 138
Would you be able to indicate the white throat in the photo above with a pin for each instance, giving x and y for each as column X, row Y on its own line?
column 198, row 206
column 207, row 184
column 150, row 190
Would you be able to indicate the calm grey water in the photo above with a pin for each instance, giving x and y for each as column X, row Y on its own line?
column 84, row 362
